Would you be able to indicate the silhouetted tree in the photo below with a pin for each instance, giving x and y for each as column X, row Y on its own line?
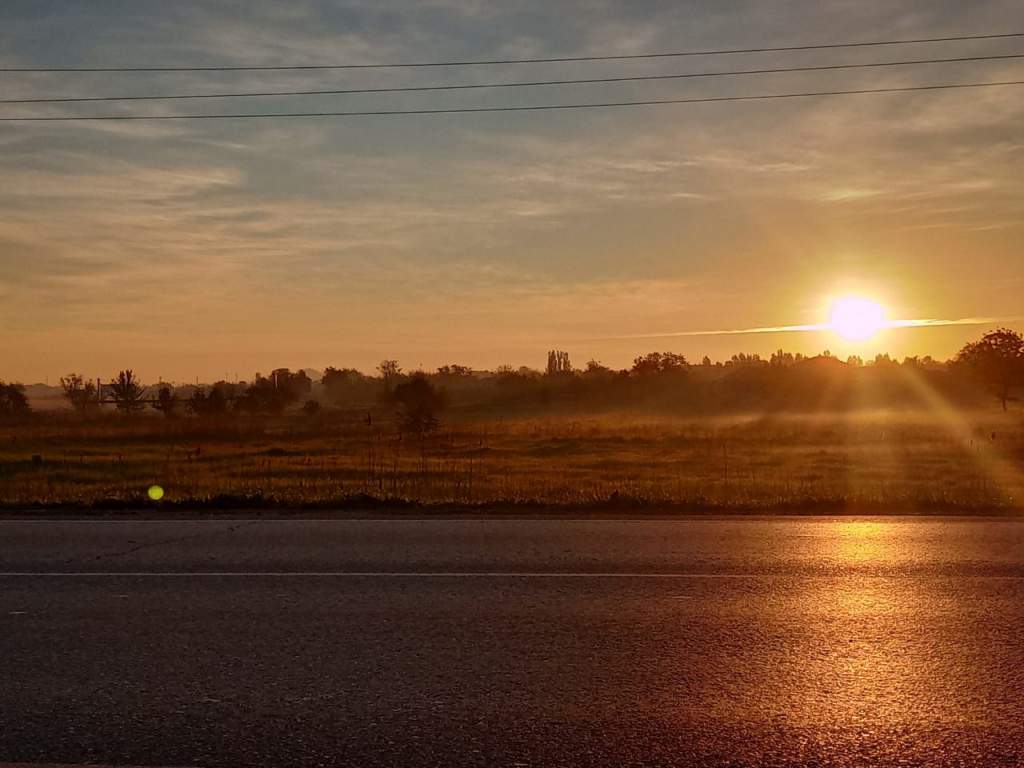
column 558, row 363
column 81, row 394
column 334, row 377
column 276, row 392
column 13, row 402
column 455, row 371
column 659, row 362
column 743, row 360
column 997, row 359
column 127, row 392
column 295, row 385
column 780, row 359
column 349, row 386
column 311, row 407
column 648, row 364
column 418, row 403
column 212, row 403
column 389, row 369
column 167, row 402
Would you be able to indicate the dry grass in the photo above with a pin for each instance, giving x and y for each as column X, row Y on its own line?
column 874, row 459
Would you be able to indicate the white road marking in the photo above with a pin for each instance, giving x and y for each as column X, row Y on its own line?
column 681, row 517
column 477, row 575
column 60, row 765
column 386, row 574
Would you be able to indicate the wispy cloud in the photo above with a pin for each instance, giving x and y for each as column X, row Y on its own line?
column 817, row 327
column 531, row 226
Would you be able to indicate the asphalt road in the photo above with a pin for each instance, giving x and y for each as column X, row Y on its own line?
column 753, row 642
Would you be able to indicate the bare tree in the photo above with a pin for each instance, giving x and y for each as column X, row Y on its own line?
column 80, row 393
column 389, row 369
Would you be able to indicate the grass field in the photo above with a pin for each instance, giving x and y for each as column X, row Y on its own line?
column 913, row 461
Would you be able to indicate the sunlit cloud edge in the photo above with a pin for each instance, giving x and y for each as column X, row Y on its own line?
column 816, row 327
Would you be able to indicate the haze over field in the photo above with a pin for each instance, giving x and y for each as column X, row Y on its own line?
column 205, row 248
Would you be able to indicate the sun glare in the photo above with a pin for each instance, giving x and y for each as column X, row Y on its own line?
column 855, row 318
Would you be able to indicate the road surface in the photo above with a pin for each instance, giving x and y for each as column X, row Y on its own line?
column 742, row 642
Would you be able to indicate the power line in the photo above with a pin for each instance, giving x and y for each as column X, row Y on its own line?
column 527, row 108
column 550, row 60
column 471, row 86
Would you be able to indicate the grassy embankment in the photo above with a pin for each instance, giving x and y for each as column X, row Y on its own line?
column 853, row 462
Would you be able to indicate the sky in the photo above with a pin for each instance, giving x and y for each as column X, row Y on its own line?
column 212, row 249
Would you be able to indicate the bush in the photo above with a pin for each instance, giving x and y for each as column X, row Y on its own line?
column 418, row 403
column 13, row 402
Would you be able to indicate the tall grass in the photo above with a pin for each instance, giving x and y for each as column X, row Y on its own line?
column 875, row 459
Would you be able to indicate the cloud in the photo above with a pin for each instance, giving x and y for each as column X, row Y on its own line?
column 526, row 223
column 818, row 327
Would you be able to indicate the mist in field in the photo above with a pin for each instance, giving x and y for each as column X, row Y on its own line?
column 784, row 433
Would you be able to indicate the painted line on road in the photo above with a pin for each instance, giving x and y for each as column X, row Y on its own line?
column 383, row 574
column 682, row 517
column 473, row 575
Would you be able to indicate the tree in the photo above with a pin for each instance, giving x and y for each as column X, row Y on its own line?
column 743, row 360
column 293, row 385
column 13, row 402
column 455, row 371
column 558, row 363
column 267, row 395
column 997, row 359
column 418, row 403
column 781, row 359
column 212, row 403
column 347, row 386
column 647, row 364
column 276, row 392
column 128, row 393
column 337, row 377
column 389, row 369
column 81, row 394
column 659, row 362
column 166, row 402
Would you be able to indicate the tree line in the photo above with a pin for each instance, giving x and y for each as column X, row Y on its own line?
column 994, row 363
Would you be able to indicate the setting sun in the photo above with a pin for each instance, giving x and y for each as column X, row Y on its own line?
column 855, row 318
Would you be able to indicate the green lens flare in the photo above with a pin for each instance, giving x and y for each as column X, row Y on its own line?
column 155, row 492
